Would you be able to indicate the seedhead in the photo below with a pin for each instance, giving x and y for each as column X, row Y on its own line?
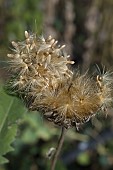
column 42, row 77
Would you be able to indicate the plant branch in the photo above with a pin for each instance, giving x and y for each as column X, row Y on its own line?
column 58, row 149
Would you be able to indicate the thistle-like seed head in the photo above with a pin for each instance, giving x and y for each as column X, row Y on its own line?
column 41, row 76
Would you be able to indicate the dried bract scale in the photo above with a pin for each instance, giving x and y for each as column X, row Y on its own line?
column 41, row 76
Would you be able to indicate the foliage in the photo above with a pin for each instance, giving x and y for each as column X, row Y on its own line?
column 35, row 129
column 9, row 118
column 17, row 22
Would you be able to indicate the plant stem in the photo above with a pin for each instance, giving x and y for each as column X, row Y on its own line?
column 58, row 149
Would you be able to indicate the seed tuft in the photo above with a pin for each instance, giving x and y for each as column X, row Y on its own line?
column 43, row 78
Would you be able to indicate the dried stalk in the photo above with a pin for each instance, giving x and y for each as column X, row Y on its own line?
column 58, row 149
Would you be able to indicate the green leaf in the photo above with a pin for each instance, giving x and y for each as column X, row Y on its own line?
column 84, row 158
column 11, row 111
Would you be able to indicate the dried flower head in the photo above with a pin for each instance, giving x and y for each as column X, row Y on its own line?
column 41, row 76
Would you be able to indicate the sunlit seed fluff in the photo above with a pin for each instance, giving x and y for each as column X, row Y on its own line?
column 38, row 57
column 105, row 84
column 41, row 77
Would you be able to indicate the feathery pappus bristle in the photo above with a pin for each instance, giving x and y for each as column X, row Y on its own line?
column 43, row 78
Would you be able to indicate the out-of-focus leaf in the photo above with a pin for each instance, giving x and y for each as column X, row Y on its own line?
column 103, row 160
column 83, row 158
column 72, row 135
column 36, row 128
column 59, row 166
column 11, row 111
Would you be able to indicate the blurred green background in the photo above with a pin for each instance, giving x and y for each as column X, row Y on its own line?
column 86, row 27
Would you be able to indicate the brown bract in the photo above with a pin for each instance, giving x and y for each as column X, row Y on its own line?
column 42, row 77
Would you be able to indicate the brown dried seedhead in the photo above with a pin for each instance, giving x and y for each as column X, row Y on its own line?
column 43, row 78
